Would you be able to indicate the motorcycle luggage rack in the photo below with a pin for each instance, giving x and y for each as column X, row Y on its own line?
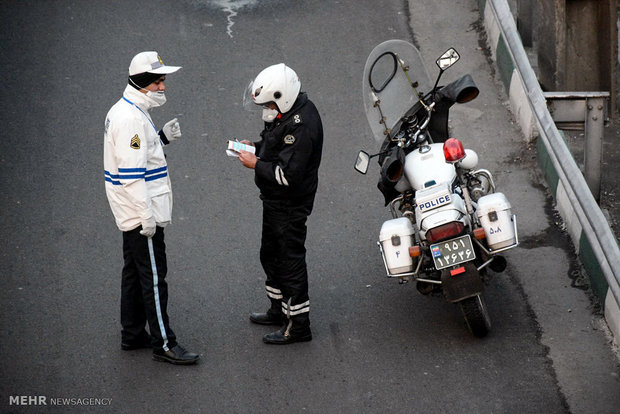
column 406, row 274
column 503, row 249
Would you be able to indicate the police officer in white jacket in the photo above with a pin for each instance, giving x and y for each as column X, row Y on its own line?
column 138, row 190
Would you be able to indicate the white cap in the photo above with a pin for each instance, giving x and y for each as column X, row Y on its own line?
column 149, row 62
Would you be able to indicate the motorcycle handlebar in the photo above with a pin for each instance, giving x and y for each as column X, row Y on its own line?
column 424, row 125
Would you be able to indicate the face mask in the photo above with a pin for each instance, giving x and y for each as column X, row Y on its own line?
column 269, row 114
column 157, row 98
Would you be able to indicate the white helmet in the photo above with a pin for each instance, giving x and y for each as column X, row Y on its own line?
column 278, row 84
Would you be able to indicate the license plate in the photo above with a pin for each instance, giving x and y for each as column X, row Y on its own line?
column 452, row 252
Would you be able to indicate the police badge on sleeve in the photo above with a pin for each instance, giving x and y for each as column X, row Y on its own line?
column 135, row 142
column 289, row 139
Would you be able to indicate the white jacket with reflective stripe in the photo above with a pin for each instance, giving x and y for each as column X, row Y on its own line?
column 136, row 173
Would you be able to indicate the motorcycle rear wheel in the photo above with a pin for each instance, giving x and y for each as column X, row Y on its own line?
column 476, row 315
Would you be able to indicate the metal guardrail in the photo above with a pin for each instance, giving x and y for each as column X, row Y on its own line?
column 587, row 211
column 583, row 111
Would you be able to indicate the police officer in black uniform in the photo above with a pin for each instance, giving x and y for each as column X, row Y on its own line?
column 286, row 164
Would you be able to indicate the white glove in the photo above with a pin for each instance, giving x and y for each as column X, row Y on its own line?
column 148, row 227
column 172, row 130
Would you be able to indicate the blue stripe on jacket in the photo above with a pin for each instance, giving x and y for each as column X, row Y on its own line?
column 129, row 174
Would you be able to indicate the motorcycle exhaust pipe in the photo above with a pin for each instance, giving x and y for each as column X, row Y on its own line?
column 496, row 263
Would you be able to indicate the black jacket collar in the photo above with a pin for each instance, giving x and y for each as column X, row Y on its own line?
column 301, row 100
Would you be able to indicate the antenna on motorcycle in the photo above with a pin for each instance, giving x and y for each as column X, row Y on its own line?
column 414, row 85
column 449, row 58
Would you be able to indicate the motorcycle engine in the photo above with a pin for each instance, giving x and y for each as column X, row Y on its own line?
column 478, row 186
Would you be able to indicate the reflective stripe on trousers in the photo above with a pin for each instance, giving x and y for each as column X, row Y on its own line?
column 144, row 291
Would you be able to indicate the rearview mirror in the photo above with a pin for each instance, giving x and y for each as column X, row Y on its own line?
column 449, row 58
column 362, row 162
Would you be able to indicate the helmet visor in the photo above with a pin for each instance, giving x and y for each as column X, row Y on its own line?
column 248, row 99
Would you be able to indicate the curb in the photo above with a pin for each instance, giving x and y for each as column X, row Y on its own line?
column 521, row 107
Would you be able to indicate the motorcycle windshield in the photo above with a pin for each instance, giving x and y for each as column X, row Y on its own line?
column 391, row 69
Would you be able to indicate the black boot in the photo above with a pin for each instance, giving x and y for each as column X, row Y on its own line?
column 267, row 319
column 284, row 337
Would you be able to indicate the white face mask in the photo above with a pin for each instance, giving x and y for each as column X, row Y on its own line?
column 157, row 98
column 269, row 114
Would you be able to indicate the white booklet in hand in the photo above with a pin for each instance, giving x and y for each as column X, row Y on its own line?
column 235, row 146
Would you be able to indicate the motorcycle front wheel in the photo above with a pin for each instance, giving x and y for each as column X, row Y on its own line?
column 476, row 315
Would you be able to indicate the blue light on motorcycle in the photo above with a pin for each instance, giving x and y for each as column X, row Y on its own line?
column 453, row 150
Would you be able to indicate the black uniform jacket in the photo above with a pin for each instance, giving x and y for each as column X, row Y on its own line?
column 290, row 153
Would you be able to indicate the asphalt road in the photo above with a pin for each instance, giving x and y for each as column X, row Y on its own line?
column 378, row 346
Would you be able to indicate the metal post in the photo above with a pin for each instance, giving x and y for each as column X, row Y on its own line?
column 583, row 111
column 595, row 122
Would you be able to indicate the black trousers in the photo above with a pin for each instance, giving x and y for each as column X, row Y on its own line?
column 283, row 257
column 144, row 291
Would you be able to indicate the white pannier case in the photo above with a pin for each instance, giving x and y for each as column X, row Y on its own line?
column 494, row 212
column 396, row 237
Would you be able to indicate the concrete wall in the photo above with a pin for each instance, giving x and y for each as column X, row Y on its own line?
column 576, row 42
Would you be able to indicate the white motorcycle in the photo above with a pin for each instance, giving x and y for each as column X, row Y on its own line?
column 449, row 225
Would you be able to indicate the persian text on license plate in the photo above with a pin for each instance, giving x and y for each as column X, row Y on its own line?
column 452, row 252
